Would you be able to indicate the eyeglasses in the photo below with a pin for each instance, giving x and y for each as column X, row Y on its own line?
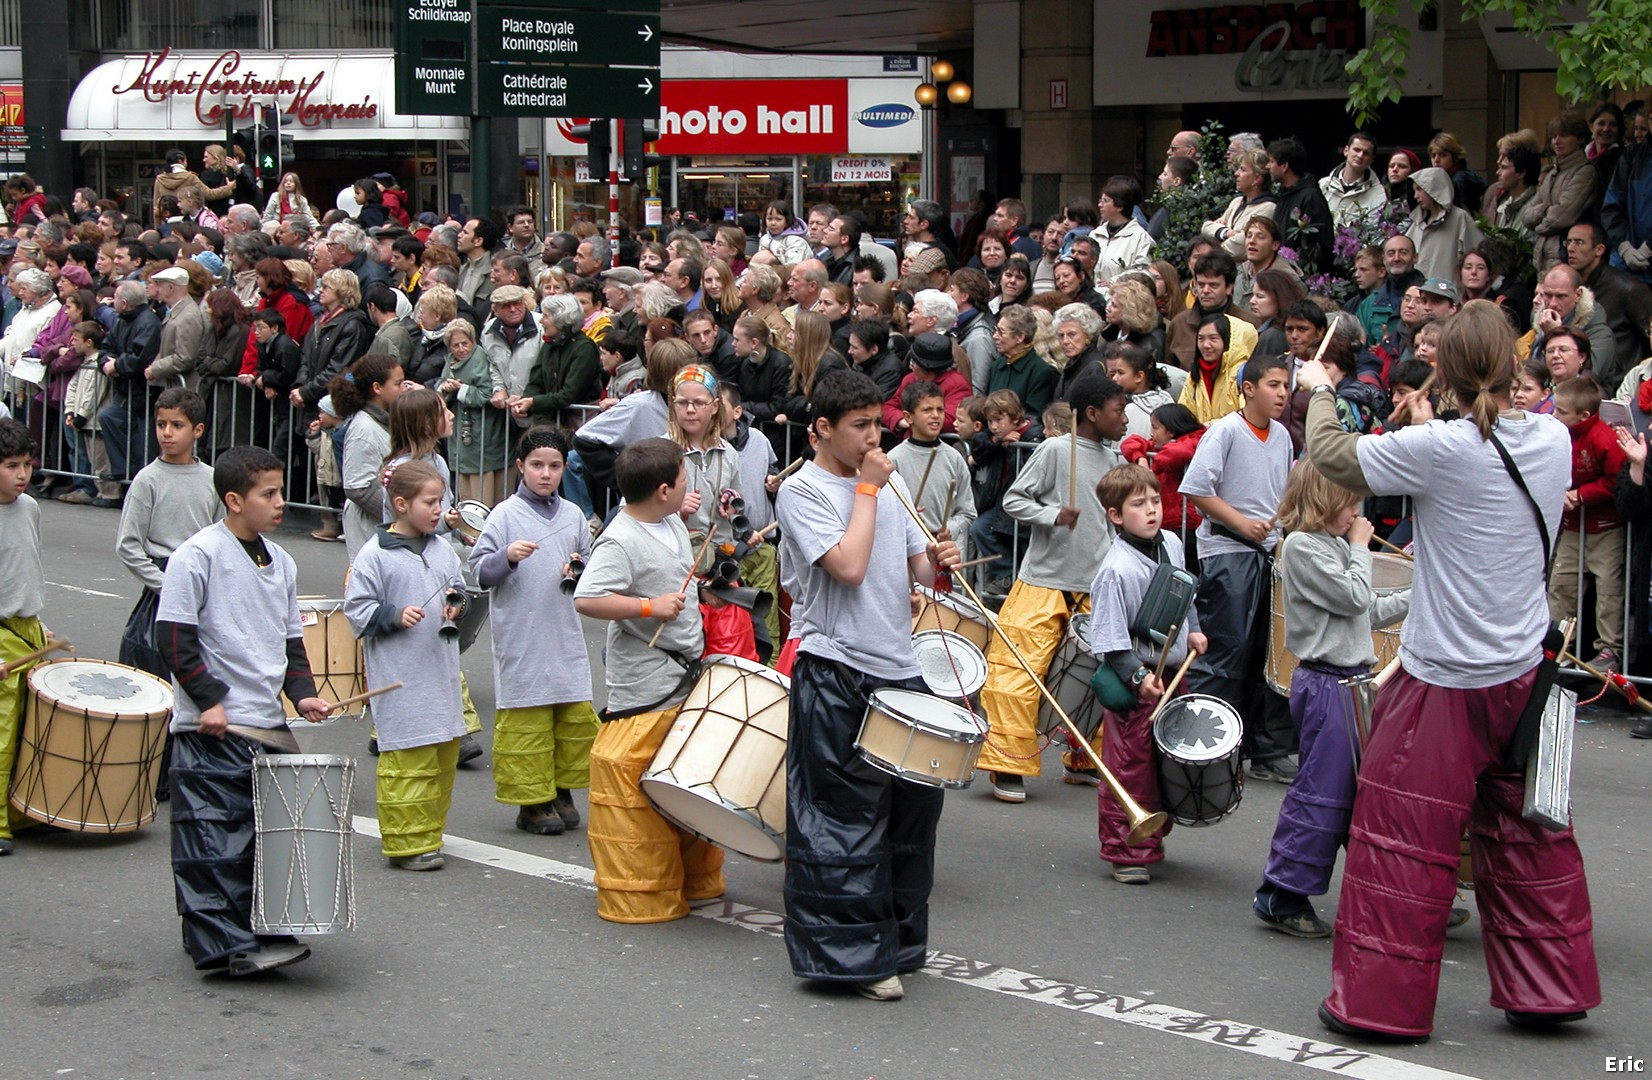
column 692, row 406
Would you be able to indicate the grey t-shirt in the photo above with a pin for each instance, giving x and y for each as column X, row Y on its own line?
column 630, row 560
column 1242, row 470
column 1478, row 607
column 166, row 505
column 22, row 580
column 244, row 614
column 867, row 626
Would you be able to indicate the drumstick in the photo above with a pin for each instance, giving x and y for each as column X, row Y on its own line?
column 337, row 705
column 1146, row 824
column 1164, row 653
column 982, row 561
column 923, row 481
column 766, row 530
column 692, row 567
column 1626, row 688
column 1396, row 549
column 54, row 645
column 1170, row 691
column 788, row 470
column 946, row 514
column 1386, row 673
column 1072, row 469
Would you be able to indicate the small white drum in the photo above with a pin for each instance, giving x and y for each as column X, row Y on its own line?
column 1070, row 673
column 303, row 879
column 952, row 667
column 721, row 771
column 921, row 738
column 334, row 653
column 1389, row 574
column 90, row 745
column 948, row 611
column 473, row 516
column 1198, row 739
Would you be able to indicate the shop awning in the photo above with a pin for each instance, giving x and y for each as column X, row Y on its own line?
column 182, row 96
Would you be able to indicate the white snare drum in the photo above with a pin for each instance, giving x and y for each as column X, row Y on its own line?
column 90, row 744
column 948, row 611
column 952, row 667
column 1069, row 681
column 303, row 879
column 335, row 654
column 473, row 516
column 721, row 771
column 921, row 738
column 1389, row 574
column 1198, row 740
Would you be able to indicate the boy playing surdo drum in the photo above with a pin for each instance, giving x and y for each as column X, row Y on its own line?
column 226, row 590
column 859, row 842
column 1130, row 495
column 647, row 869
column 22, row 594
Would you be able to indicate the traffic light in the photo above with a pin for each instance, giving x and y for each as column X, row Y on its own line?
column 269, row 148
column 637, row 134
column 597, row 146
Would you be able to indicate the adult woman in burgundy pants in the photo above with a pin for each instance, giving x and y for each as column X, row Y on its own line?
column 1469, row 653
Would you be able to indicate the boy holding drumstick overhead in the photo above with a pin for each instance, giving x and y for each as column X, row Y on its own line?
column 859, row 842
column 225, row 590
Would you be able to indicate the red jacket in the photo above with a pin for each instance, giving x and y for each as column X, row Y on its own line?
column 1597, row 459
column 1168, row 464
column 953, row 386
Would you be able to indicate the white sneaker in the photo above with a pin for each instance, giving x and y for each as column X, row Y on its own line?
column 889, row 989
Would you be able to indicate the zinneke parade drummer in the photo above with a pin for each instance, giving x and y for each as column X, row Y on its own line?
column 860, row 842
column 22, row 594
column 225, row 588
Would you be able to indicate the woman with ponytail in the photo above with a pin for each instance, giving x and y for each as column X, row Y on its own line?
column 1488, row 490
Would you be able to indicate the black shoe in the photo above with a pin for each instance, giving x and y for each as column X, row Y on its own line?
column 1278, row 771
column 106, row 504
column 1538, row 1021
column 163, row 794
column 1303, row 924
column 565, row 809
column 541, row 820
column 267, row 957
column 1642, row 730
column 1342, row 1027
column 1009, row 787
column 469, row 749
column 373, row 747
column 5, row 845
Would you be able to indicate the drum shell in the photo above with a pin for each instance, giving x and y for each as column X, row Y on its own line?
column 304, row 875
column 472, row 516
column 905, row 733
column 1389, row 574
column 335, row 654
column 943, row 611
column 88, row 769
column 1199, row 789
column 1069, row 680
column 720, row 772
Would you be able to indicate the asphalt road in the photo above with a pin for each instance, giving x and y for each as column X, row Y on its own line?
column 499, row 967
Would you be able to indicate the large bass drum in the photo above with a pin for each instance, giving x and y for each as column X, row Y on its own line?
column 1389, row 574
column 1070, row 674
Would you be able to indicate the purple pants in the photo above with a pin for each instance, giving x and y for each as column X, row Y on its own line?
column 1313, row 820
column 1127, row 749
column 1432, row 767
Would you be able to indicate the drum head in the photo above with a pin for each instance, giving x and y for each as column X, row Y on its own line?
column 749, row 667
column 929, row 713
column 952, row 666
column 1390, row 572
column 1197, row 727
column 473, row 516
column 1079, row 627
column 99, row 686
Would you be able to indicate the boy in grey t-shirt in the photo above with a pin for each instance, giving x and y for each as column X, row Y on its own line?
column 859, row 841
column 228, row 630
column 1236, row 479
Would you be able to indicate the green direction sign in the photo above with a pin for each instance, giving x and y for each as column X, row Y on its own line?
column 435, row 71
column 562, row 90
column 537, row 35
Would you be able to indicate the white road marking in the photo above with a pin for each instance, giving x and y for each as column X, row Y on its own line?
column 88, row 592
column 1161, row 1016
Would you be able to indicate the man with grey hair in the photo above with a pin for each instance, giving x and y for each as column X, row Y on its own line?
column 807, row 280
column 919, row 225
column 1239, row 143
column 131, row 347
column 240, row 219
column 352, row 249
column 183, row 331
column 592, row 257
column 933, row 312
column 295, row 232
column 759, row 285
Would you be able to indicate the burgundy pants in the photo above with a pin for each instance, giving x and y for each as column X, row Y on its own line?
column 1127, row 749
column 1433, row 766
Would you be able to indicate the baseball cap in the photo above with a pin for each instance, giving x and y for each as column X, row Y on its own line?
column 1440, row 287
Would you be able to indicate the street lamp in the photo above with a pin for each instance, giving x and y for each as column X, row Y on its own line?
column 928, row 94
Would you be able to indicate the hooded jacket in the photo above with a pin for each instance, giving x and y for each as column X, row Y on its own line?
column 1442, row 238
column 1349, row 202
column 1168, row 463
column 1565, row 191
column 1222, row 396
column 1626, row 214
column 171, row 182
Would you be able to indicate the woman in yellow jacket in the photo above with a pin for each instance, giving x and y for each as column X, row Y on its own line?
column 1212, row 389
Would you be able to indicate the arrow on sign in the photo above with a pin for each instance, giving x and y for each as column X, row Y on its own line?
column 646, row 33
column 646, row 86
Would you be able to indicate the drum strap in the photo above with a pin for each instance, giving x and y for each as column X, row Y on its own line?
column 691, row 672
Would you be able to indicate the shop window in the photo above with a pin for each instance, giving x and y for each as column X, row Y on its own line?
column 11, row 22
column 129, row 26
column 333, row 24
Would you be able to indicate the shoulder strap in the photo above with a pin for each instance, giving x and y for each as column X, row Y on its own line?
column 1520, row 482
